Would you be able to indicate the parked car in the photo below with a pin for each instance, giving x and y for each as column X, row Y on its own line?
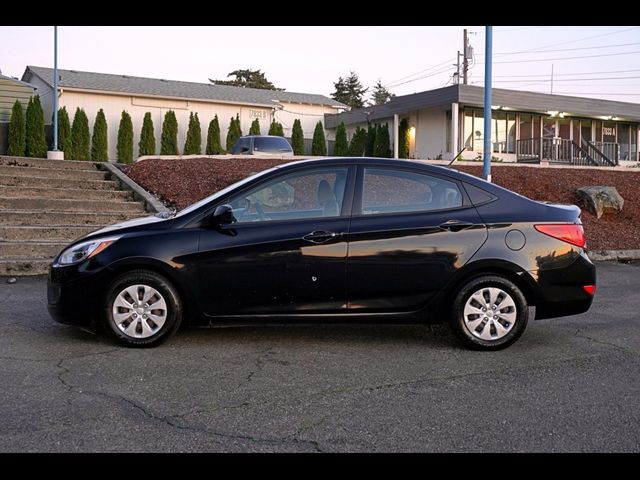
column 262, row 145
column 334, row 239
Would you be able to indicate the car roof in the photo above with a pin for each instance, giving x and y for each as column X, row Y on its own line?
column 263, row 136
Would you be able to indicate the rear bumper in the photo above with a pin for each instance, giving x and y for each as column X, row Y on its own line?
column 560, row 290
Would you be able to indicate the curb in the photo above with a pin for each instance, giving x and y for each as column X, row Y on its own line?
column 614, row 255
column 151, row 203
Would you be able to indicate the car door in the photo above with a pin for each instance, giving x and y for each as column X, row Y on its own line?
column 410, row 231
column 286, row 252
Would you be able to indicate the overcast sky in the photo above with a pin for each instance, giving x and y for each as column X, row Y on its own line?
column 310, row 59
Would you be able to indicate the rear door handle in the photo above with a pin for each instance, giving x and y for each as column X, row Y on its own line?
column 320, row 236
column 455, row 225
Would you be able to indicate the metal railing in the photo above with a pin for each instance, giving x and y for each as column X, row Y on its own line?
column 611, row 150
column 560, row 150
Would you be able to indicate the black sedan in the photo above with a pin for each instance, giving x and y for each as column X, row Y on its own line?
column 344, row 239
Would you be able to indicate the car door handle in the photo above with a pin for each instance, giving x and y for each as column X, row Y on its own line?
column 455, row 225
column 320, row 236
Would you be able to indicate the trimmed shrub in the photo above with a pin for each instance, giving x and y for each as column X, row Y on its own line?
column 371, row 140
column 193, row 142
column 35, row 140
column 80, row 138
column 276, row 128
column 17, row 141
column 124, row 147
column 213, row 138
column 381, row 148
column 341, row 147
column 403, row 138
column 297, row 138
column 147, row 143
column 255, row 127
column 319, row 144
column 234, row 133
column 358, row 143
column 64, row 132
column 169, row 135
column 99, row 145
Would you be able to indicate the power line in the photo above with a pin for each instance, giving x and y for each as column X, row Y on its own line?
column 522, row 28
column 566, row 74
column 391, row 84
column 425, row 76
column 565, row 49
column 598, row 93
column 569, row 58
column 570, row 79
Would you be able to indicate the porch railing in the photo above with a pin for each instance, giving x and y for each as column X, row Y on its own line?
column 560, row 150
column 611, row 150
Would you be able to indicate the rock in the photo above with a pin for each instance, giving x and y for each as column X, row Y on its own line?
column 600, row 200
column 12, row 280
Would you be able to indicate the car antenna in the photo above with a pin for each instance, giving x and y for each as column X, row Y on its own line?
column 456, row 157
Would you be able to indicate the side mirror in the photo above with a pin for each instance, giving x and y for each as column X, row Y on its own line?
column 223, row 215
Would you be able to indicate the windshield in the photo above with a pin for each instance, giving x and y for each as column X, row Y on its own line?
column 221, row 193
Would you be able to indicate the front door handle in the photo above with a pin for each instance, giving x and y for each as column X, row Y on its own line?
column 455, row 225
column 320, row 236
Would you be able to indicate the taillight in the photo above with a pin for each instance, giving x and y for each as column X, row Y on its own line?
column 590, row 289
column 570, row 233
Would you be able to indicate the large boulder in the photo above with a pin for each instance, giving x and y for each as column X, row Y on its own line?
column 600, row 200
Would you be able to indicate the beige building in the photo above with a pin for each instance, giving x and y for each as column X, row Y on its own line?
column 138, row 95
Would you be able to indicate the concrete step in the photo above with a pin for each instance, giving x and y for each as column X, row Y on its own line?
column 44, row 163
column 90, row 174
column 63, row 205
column 42, row 182
column 24, row 266
column 68, row 193
column 42, row 218
column 13, row 250
column 62, row 233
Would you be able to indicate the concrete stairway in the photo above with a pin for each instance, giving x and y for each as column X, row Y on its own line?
column 44, row 204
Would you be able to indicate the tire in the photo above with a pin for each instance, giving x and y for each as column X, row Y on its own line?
column 162, row 313
column 489, row 330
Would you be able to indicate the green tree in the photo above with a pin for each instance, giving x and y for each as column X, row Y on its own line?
column 358, row 143
column 99, row 146
column 64, row 132
column 213, row 138
column 341, row 147
column 381, row 148
column 297, row 138
column 349, row 91
column 234, row 132
column 247, row 78
column 124, row 147
column 169, row 135
column 319, row 144
column 403, row 138
column 35, row 140
column 193, row 142
column 255, row 127
column 371, row 140
column 17, row 132
column 80, row 138
column 380, row 94
column 147, row 143
column 276, row 128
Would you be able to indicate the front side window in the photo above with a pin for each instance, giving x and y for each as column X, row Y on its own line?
column 394, row 191
column 310, row 194
column 271, row 144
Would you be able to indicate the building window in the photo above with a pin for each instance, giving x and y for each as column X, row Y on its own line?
column 511, row 133
column 468, row 129
column 448, row 130
column 623, row 140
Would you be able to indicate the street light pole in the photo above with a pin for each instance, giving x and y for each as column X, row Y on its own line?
column 55, row 88
column 486, row 168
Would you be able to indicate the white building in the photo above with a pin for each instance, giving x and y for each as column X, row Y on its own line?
column 138, row 95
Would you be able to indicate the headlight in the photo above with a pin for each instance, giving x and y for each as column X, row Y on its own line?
column 84, row 250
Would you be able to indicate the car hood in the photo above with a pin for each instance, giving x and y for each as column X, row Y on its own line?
column 126, row 226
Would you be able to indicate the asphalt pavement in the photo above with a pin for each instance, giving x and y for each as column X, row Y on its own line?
column 568, row 385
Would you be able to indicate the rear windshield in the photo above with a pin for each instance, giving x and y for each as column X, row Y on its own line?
column 271, row 144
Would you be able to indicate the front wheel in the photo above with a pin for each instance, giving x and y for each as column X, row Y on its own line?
column 142, row 309
column 489, row 313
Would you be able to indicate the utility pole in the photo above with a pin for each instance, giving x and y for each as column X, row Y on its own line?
column 457, row 74
column 465, row 61
column 552, row 78
column 486, row 167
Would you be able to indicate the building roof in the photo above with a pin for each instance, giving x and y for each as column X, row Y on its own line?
column 16, row 81
column 107, row 82
column 472, row 95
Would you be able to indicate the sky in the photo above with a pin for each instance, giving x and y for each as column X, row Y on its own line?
column 593, row 61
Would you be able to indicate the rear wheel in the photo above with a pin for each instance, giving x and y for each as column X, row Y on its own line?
column 489, row 313
column 142, row 309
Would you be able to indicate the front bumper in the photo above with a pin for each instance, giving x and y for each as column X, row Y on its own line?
column 72, row 295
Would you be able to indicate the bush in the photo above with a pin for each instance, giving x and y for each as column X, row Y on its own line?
column 297, row 138
column 80, row 138
column 319, row 144
column 213, row 138
column 234, row 133
column 381, row 148
column 124, row 147
column 358, row 143
column 276, row 129
column 193, row 142
column 35, row 140
column 403, row 139
column 341, row 147
column 99, row 145
column 17, row 132
column 255, row 127
column 371, row 140
column 64, row 132
column 169, row 135
column 147, row 143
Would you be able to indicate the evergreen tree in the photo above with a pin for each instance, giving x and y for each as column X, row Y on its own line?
column 17, row 132
column 358, row 143
column 247, row 78
column 234, row 133
column 147, row 143
column 99, row 148
column 35, row 140
column 80, row 138
column 371, row 140
column 297, row 138
column 380, row 94
column 349, row 91
column 276, row 129
column 381, row 148
column 255, row 127
column 213, row 138
column 64, row 132
column 341, row 147
column 169, row 135
column 403, row 139
column 124, row 147
column 319, row 144
column 193, row 142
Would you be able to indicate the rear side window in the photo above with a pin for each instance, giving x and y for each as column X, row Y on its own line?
column 393, row 191
column 477, row 195
column 271, row 144
column 241, row 146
